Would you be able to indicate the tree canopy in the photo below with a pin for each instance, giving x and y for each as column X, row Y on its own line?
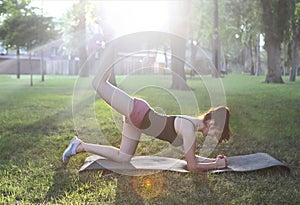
column 26, row 30
column 22, row 27
column 243, row 28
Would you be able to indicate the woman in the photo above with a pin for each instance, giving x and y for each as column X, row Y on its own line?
column 141, row 118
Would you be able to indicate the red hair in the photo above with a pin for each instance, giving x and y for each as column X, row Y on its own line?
column 221, row 117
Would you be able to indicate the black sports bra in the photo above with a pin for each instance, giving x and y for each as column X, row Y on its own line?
column 160, row 126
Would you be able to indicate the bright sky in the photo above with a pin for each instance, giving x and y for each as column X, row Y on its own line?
column 124, row 16
column 128, row 16
column 54, row 8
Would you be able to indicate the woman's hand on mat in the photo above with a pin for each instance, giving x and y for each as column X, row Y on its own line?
column 223, row 157
column 221, row 163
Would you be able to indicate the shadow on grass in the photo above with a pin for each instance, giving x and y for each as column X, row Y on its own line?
column 18, row 137
column 62, row 182
column 18, row 140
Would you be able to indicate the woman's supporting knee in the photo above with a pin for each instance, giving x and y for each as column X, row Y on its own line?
column 122, row 157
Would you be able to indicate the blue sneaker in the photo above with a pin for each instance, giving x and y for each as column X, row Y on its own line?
column 71, row 150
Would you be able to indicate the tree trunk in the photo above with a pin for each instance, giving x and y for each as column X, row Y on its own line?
column 18, row 63
column 215, row 41
column 273, row 61
column 178, row 45
column 31, row 70
column 177, row 64
column 247, row 59
column 194, row 49
column 84, row 70
column 252, row 72
column 275, row 17
column 166, row 58
column 42, row 66
column 257, row 57
column 296, row 35
column 294, row 61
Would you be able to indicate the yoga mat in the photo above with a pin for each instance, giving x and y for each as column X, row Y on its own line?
column 242, row 163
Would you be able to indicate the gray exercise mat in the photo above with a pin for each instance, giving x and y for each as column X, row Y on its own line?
column 242, row 163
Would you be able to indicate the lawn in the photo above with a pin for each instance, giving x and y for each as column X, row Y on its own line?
column 37, row 123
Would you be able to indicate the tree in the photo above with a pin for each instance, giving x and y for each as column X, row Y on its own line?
column 11, row 6
column 12, row 9
column 200, row 35
column 275, row 16
column 241, row 33
column 295, row 39
column 215, row 40
column 25, row 31
column 75, row 34
column 179, row 27
column 23, row 28
column 82, row 48
column 238, row 29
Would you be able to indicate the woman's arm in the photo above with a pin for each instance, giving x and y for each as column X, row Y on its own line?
column 204, row 159
column 194, row 165
column 186, row 129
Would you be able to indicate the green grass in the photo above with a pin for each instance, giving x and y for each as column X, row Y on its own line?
column 36, row 124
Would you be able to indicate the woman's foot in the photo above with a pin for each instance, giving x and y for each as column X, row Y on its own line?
column 71, row 150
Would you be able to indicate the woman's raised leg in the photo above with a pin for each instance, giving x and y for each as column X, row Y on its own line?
column 115, row 97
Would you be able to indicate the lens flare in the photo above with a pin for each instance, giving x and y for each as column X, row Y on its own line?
column 149, row 186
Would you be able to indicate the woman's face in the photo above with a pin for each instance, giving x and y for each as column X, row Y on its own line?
column 211, row 130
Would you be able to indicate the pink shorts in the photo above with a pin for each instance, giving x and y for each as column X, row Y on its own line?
column 140, row 108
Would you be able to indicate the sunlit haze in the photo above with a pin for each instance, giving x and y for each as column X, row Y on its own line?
column 130, row 16
column 53, row 8
column 123, row 16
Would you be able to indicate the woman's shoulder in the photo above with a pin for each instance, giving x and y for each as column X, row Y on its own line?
column 184, row 124
column 186, row 118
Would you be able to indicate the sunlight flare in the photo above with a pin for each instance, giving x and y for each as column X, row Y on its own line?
column 132, row 16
